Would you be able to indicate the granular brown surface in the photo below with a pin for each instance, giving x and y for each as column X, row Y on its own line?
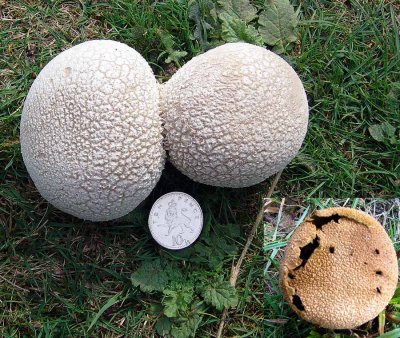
column 340, row 269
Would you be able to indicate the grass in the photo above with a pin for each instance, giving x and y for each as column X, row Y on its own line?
column 281, row 220
column 349, row 62
column 61, row 276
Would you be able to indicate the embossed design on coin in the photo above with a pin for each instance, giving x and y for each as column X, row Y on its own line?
column 175, row 220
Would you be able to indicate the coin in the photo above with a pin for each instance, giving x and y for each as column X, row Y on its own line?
column 175, row 220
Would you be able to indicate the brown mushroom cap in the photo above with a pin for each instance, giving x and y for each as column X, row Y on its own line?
column 339, row 269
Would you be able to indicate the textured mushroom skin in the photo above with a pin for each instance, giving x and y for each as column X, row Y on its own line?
column 338, row 284
column 90, row 130
column 234, row 115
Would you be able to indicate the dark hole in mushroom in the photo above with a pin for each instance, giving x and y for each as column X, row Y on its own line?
column 378, row 290
column 291, row 276
column 379, row 272
column 320, row 221
column 298, row 303
column 332, row 249
column 307, row 250
column 377, row 251
column 365, row 263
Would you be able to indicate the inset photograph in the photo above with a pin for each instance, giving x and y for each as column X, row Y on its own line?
column 331, row 268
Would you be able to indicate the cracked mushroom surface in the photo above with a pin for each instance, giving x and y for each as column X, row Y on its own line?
column 340, row 269
column 234, row 115
column 91, row 132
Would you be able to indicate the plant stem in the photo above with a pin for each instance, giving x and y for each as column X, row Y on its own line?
column 236, row 268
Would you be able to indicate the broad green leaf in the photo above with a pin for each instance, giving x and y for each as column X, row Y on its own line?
column 391, row 334
column 163, row 326
column 278, row 24
column 240, row 9
column 388, row 129
column 177, row 299
column 155, row 309
column 383, row 132
column 314, row 334
column 187, row 328
column 235, row 30
column 154, row 276
column 376, row 132
column 220, row 294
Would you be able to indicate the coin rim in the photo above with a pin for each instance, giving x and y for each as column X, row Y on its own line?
column 200, row 228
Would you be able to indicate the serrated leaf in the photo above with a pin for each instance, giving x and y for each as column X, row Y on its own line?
column 187, row 328
column 235, row 30
column 220, row 294
column 169, row 43
column 154, row 275
column 203, row 14
column 241, row 9
column 278, row 24
column 195, row 15
column 175, row 56
column 163, row 326
column 177, row 299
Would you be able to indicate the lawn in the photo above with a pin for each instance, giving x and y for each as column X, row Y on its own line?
column 61, row 276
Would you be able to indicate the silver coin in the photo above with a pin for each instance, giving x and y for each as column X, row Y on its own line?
column 175, row 220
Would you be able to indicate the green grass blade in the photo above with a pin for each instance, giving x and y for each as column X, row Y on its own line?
column 113, row 300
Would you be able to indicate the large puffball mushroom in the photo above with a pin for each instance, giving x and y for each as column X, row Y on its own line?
column 234, row 115
column 339, row 269
column 90, row 130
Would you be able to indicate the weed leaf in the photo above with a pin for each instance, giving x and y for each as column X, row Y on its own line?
column 173, row 55
column 153, row 276
column 202, row 13
column 235, row 30
column 163, row 326
column 240, row 9
column 187, row 328
column 391, row 334
column 278, row 24
column 314, row 334
column 177, row 299
column 383, row 132
column 220, row 294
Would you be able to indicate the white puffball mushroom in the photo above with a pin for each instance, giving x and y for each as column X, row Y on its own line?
column 91, row 132
column 234, row 115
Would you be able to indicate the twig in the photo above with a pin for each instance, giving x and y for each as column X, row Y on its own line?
column 236, row 268
column 13, row 284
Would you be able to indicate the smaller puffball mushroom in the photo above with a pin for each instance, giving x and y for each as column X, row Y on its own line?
column 339, row 269
column 91, row 132
column 234, row 115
